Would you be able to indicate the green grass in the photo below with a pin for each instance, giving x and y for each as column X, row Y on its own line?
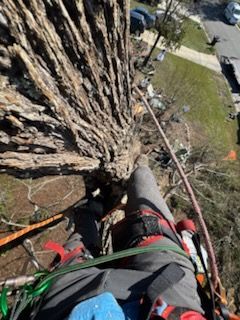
column 195, row 37
column 208, row 96
column 134, row 4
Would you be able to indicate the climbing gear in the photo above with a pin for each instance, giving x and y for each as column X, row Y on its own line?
column 34, row 227
column 65, row 255
column 196, row 207
column 143, row 223
column 28, row 246
column 29, row 291
column 45, row 223
column 214, row 284
column 18, row 234
column 171, row 275
column 44, row 279
column 187, row 229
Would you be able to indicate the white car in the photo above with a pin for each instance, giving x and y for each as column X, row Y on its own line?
column 232, row 12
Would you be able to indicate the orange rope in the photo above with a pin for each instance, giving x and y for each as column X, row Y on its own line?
column 28, row 229
column 44, row 223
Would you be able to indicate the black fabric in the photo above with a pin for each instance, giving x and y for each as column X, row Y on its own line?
column 131, row 230
column 171, row 275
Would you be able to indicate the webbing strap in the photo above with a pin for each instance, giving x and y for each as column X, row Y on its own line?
column 64, row 255
column 171, row 275
column 144, row 223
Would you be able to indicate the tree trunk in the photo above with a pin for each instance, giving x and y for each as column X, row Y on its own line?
column 65, row 89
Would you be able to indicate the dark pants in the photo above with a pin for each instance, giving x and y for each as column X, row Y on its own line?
column 127, row 283
column 143, row 193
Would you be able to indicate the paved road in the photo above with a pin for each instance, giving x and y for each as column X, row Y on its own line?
column 229, row 46
column 215, row 24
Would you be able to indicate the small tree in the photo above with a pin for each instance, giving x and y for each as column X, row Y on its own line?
column 170, row 25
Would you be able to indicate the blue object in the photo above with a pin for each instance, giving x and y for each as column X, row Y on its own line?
column 149, row 18
column 131, row 310
column 137, row 22
column 160, row 309
column 101, row 307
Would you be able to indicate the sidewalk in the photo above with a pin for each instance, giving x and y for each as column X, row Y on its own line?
column 206, row 60
column 185, row 12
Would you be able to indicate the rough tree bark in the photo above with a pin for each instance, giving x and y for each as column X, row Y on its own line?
column 65, row 88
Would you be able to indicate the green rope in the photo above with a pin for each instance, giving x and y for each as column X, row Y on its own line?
column 3, row 302
column 46, row 282
column 108, row 258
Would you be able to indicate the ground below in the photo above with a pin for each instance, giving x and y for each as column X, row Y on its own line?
column 27, row 201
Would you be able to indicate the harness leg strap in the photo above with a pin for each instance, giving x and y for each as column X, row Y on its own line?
column 171, row 275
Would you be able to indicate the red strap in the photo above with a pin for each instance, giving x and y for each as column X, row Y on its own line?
column 167, row 312
column 185, row 247
column 64, row 256
column 71, row 254
column 192, row 315
column 149, row 240
column 56, row 247
column 187, row 224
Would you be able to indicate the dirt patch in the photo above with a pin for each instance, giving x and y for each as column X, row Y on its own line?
column 27, row 201
column 13, row 262
column 21, row 198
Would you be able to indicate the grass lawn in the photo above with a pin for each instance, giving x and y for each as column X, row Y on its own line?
column 206, row 93
column 195, row 37
column 134, row 4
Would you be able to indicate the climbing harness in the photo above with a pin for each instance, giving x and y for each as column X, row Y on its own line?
column 30, row 287
column 214, row 284
column 34, row 286
column 196, row 207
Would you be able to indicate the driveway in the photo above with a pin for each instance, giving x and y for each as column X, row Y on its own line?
column 216, row 24
column 211, row 12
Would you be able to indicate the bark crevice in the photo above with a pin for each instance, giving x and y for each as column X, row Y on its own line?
column 65, row 102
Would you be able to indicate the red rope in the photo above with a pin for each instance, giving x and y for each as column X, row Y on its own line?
column 197, row 209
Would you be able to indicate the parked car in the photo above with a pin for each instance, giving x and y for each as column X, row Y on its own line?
column 137, row 22
column 232, row 12
column 149, row 18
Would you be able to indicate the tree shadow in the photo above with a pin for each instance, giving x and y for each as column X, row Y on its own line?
column 213, row 12
column 238, row 131
column 228, row 72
